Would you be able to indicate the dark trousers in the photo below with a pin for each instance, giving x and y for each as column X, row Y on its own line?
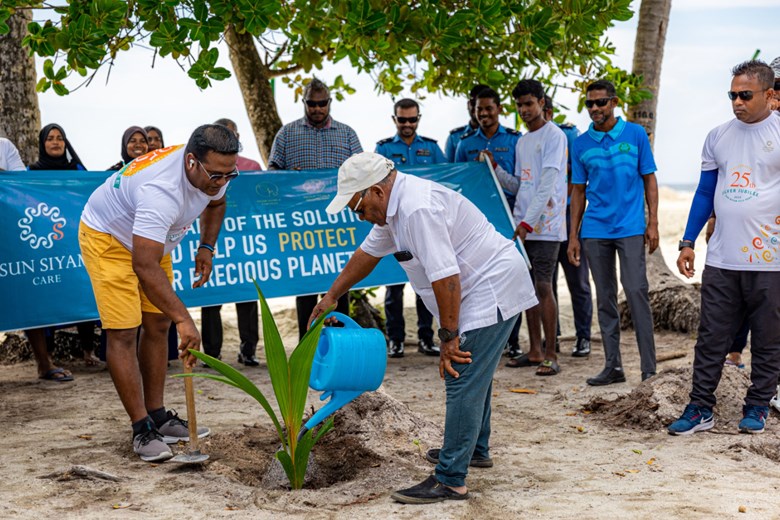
column 578, row 282
column 740, row 341
column 394, row 315
column 633, row 277
column 727, row 297
column 248, row 328
column 304, row 305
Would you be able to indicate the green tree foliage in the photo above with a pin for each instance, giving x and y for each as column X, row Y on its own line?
column 427, row 45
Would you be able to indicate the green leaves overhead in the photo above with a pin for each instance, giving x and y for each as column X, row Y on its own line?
column 427, row 45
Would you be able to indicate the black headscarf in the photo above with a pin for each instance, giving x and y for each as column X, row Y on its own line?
column 126, row 139
column 151, row 128
column 67, row 161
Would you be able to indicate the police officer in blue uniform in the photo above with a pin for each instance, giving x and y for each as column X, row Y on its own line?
column 407, row 148
column 499, row 140
column 456, row 133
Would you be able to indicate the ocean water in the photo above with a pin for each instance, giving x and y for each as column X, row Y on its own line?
column 680, row 187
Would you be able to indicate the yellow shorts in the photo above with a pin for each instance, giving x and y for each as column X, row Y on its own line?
column 120, row 299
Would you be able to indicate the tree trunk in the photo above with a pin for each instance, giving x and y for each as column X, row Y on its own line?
column 675, row 304
column 254, row 80
column 20, row 117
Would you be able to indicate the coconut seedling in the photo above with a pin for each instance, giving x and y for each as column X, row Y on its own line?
column 290, row 381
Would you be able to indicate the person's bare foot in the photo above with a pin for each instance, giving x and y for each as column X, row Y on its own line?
column 734, row 358
column 91, row 360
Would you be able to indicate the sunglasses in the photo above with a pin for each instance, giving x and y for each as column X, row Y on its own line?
column 321, row 104
column 219, row 176
column 744, row 95
column 402, row 120
column 602, row 102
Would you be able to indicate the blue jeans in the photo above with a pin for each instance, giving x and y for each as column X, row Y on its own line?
column 467, row 422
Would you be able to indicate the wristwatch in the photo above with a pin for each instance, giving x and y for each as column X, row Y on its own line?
column 685, row 243
column 447, row 335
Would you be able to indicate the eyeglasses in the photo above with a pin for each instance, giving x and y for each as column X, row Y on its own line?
column 219, row 176
column 322, row 104
column 402, row 120
column 744, row 95
column 601, row 102
column 357, row 211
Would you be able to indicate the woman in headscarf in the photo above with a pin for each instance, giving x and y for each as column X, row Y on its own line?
column 55, row 151
column 134, row 144
column 154, row 137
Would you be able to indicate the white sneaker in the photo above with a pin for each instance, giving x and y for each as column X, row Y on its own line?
column 775, row 402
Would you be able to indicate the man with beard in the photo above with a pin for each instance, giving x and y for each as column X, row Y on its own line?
column 314, row 141
column 407, row 148
column 613, row 168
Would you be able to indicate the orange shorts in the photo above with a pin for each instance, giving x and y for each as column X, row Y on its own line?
column 120, row 299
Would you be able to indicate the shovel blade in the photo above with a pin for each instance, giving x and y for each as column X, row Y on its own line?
column 194, row 457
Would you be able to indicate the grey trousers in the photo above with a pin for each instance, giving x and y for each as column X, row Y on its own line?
column 726, row 298
column 633, row 278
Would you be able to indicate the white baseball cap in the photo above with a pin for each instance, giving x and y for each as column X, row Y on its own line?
column 359, row 172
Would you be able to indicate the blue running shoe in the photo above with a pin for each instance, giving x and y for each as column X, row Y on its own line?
column 753, row 419
column 694, row 419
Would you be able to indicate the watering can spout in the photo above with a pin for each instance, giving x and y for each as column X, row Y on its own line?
column 338, row 398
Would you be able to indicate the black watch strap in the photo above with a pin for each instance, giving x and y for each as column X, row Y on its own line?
column 685, row 243
column 446, row 335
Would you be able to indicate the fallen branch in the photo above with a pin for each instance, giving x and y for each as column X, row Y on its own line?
column 84, row 472
column 666, row 356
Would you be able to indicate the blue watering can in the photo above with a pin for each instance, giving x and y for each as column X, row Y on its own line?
column 349, row 360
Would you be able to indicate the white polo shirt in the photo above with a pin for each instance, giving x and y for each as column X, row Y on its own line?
column 448, row 235
column 747, row 196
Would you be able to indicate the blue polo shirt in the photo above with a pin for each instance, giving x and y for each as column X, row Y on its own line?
column 423, row 150
column 612, row 165
column 453, row 139
column 501, row 145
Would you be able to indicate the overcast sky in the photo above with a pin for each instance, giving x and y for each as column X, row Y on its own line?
column 705, row 39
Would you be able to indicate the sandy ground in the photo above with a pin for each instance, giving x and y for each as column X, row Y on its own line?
column 552, row 458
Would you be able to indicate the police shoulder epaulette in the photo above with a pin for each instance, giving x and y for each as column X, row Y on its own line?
column 566, row 125
column 469, row 133
column 512, row 131
column 384, row 141
column 429, row 139
column 458, row 129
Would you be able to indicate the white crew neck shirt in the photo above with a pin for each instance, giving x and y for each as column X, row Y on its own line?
column 150, row 197
column 747, row 195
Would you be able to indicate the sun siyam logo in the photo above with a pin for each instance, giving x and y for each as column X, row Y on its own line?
column 33, row 217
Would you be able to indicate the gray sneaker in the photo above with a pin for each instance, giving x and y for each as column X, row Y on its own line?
column 175, row 429
column 150, row 447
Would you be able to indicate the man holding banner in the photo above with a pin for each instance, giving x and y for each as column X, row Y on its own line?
column 470, row 277
column 128, row 229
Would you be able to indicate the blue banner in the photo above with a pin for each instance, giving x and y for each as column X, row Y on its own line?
column 276, row 231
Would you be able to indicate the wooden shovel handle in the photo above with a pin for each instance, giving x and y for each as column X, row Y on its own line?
column 189, row 393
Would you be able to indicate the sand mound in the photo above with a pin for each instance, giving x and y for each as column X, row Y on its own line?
column 658, row 401
column 375, row 440
column 15, row 348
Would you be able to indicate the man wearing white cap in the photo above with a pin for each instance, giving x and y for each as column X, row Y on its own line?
column 469, row 276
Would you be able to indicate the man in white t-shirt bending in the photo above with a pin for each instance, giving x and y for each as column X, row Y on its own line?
column 470, row 277
column 128, row 229
column 539, row 181
column 740, row 181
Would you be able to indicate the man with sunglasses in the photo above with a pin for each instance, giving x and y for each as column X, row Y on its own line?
column 128, row 228
column 408, row 148
column 740, row 183
column 613, row 168
column 472, row 278
column 456, row 133
column 315, row 141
